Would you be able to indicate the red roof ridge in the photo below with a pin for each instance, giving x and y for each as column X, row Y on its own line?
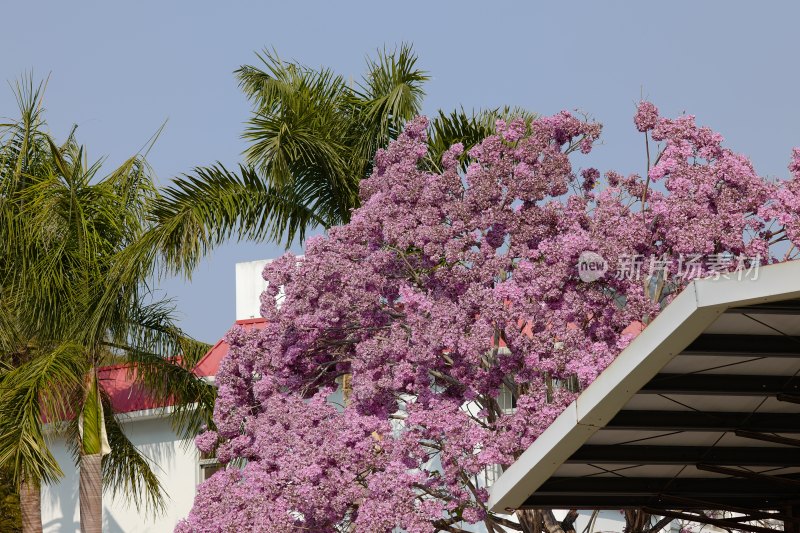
column 209, row 364
column 245, row 321
column 127, row 396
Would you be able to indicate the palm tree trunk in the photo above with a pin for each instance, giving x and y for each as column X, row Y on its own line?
column 93, row 446
column 30, row 500
column 91, row 493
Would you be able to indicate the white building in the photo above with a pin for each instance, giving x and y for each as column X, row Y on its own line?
column 177, row 467
column 175, row 461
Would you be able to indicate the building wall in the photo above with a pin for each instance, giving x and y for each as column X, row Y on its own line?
column 249, row 286
column 177, row 468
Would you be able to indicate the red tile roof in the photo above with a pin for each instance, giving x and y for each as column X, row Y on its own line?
column 127, row 396
column 209, row 364
column 119, row 381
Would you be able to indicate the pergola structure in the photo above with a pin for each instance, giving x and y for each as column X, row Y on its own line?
column 701, row 412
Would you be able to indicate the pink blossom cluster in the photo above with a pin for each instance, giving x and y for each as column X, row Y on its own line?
column 785, row 209
column 445, row 290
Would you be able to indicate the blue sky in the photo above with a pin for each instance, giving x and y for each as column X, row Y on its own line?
column 119, row 70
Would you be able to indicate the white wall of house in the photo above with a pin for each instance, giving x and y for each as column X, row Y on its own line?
column 175, row 464
column 249, row 286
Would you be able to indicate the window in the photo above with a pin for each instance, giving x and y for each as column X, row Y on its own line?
column 506, row 400
column 208, row 466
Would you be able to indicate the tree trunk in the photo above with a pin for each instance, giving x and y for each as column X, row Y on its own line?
column 30, row 500
column 568, row 524
column 94, row 445
column 91, row 493
column 792, row 511
column 636, row 521
column 530, row 520
column 543, row 520
column 550, row 523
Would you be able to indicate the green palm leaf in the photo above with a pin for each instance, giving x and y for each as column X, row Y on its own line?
column 311, row 140
column 203, row 210
column 27, row 393
column 127, row 472
column 79, row 252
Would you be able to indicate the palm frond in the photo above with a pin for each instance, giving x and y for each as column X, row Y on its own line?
column 389, row 95
column 392, row 91
column 457, row 127
column 190, row 398
column 29, row 392
column 162, row 358
column 467, row 128
column 24, row 137
column 127, row 472
column 203, row 210
column 152, row 327
column 295, row 116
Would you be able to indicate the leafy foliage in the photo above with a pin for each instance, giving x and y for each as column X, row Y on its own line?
column 311, row 140
column 75, row 295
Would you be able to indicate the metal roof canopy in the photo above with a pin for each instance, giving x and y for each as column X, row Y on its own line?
column 700, row 412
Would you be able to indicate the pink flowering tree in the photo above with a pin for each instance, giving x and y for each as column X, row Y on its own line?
column 452, row 308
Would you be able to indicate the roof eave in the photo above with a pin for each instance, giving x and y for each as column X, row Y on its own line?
column 683, row 320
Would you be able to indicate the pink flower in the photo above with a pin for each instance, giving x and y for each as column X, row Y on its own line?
column 446, row 295
column 646, row 116
column 206, row 441
column 794, row 166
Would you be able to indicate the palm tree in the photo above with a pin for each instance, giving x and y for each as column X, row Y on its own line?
column 74, row 297
column 311, row 139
